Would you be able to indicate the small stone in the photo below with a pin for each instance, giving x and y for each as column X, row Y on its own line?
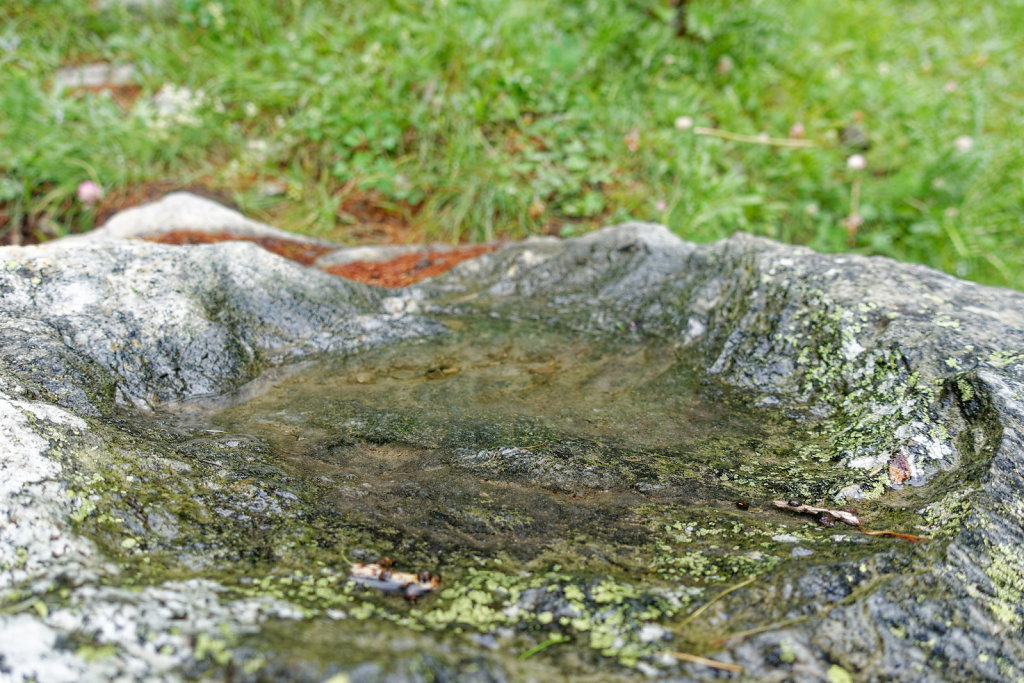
column 786, row 538
column 857, row 162
column 854, row 137
column 684, row 123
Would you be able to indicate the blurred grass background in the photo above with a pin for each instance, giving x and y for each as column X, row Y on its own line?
column 467, row 120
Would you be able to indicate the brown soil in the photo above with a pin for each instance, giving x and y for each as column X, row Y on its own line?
column 375, row 220
column 398, row 272
column 410, row 268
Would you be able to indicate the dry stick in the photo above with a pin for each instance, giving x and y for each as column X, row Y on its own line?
column 713, row 663
column 855, row 197
column 697, row 612
column 841, row 515
column 853, row 222
column 847, row 517
column 529, row 448
column 753, row 139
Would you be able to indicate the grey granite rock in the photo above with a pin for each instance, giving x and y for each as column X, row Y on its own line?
column 917, row 376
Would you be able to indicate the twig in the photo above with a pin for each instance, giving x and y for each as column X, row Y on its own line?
column 842, row 515
column 700, row 610
column 909, row 537
column 855, row 197
column 713, row 663
column 530, row 448
column 754, row 139
column 845, row 516
column 853, row 222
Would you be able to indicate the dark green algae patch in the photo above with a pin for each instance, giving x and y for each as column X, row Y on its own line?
column 579, row 496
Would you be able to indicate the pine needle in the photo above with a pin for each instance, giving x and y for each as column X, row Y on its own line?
column 546, row 644
column 753, row 139
column 909, row 537
column 712, row 663
column 700, row 610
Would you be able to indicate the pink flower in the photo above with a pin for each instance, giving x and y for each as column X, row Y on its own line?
column 89, row 192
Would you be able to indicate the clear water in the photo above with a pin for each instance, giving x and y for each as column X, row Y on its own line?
column 513, row 440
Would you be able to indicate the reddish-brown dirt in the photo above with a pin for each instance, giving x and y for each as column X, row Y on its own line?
column 410, row 268
column 369, row 218
column 398, row 272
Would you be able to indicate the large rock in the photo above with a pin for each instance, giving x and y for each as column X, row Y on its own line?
column 133, row 544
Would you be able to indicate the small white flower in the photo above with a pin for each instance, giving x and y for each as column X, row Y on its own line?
column 660, row 205
column 884, row 69
column 763, row 136
column 812, row 210
column 216, row 11
column 964, row 144
column 250, row 109
column 857, row 162
column 171, row 106
column 796, row 131
column 684, row 123
column 950, row 87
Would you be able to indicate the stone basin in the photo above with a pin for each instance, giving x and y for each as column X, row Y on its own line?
column 582, row 440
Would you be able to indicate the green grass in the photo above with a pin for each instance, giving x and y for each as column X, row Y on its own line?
column 481, row 118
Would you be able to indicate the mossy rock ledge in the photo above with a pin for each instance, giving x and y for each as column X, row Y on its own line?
column 142, row 539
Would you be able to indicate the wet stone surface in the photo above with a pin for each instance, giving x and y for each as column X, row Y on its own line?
column 592, row 443
column 575, row 490
column 515, row 439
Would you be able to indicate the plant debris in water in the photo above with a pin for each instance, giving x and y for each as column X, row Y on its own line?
column 384, row 578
